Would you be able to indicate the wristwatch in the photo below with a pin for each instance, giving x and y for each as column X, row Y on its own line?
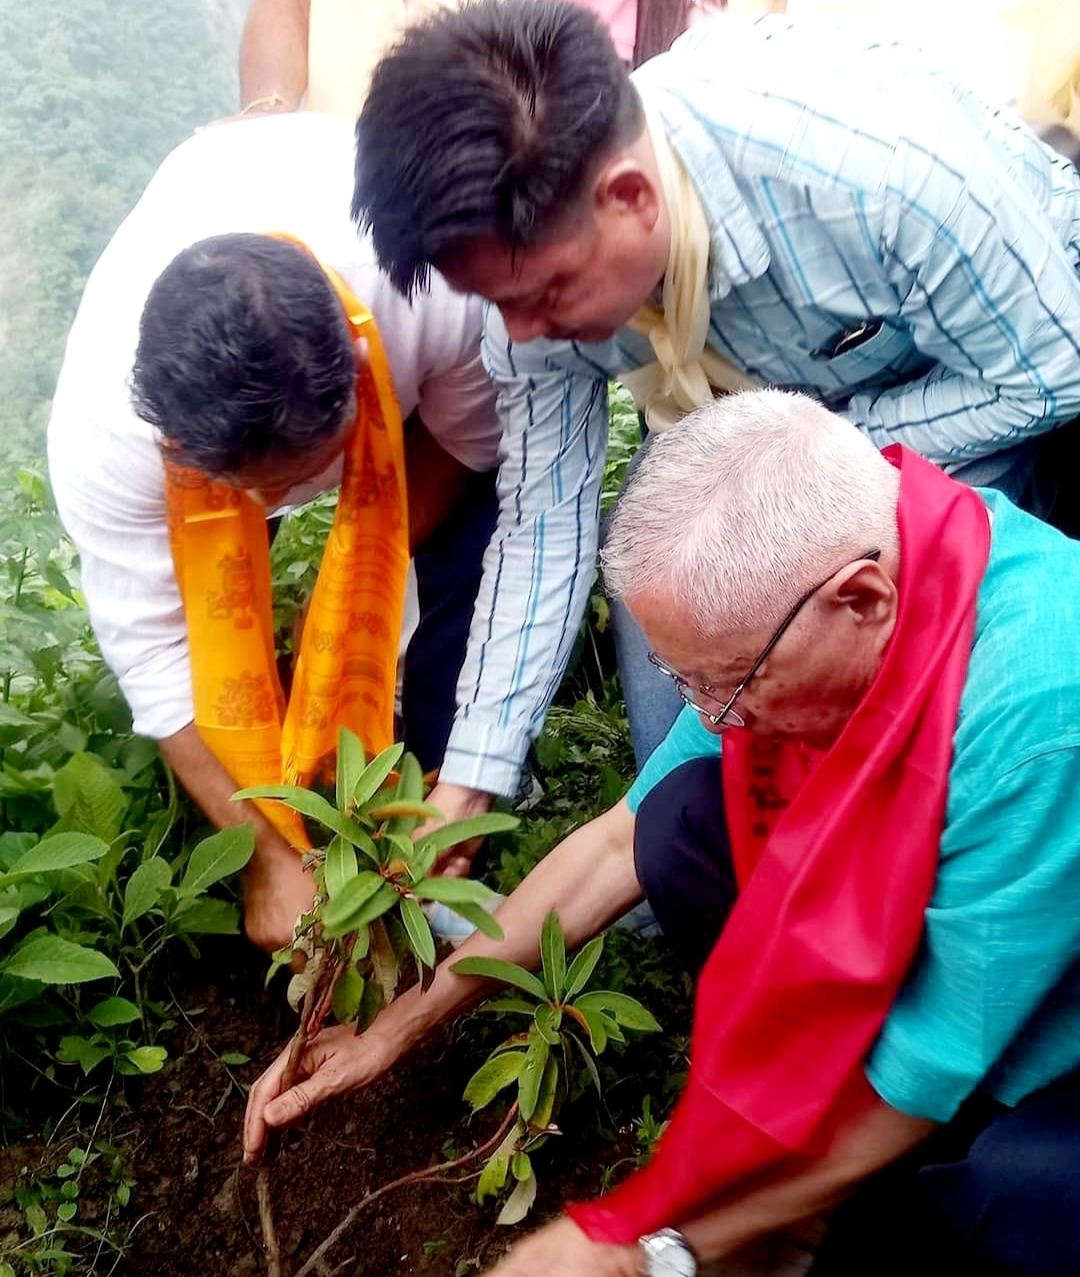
column 667, row 1254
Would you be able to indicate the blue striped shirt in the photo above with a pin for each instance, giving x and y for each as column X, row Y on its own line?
column 845, row 183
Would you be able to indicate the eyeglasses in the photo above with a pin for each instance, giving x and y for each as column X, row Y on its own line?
column 727, row 716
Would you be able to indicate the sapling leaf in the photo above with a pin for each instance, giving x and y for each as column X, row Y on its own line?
column 396, row 808
column 341, row 913
column 553, row 956
column 596, row 1025
column 548, row 1020
column 361, row 945
column 371, row 1003
column 500, row 969
column 401, row 845
column 480, row 918
column 375, row 773
column 144, row 887
column 493, row 1176
column 508, row 1002
column 340, row 865
column 307, row 803
column 348, row 991
column 521, row 1166
column 410, row 788
column 454, row 891
column 582, row 967
column 491, row 822
column 590, row 1063
column 418, row 931
column 532, row 1074
column 545, row 1098
column 489, row 1079
column 519, row 1203
column 216, row 857
column 624, row 1010
column 383, row 957
column 351, row 761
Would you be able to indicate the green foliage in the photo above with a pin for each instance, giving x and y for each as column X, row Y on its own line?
column 568, row 1026
column 47, row 1199
column 624, row 439
column 94, row 885
column 584, row 763
column 372, row 877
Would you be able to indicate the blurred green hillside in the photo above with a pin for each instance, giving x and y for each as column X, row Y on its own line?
column 93, row 95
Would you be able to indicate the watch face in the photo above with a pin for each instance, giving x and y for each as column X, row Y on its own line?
column 667, row 1254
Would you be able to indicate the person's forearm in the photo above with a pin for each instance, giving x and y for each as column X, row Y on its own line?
column 273, row 53
column 802, row 1188
column 437, row 484
column 588, row 879
column 207, row 781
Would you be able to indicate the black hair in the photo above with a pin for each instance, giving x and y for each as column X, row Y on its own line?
column 244, row 354
column 487, row 120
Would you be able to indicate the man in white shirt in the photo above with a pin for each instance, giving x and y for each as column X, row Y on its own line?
column 243, row 181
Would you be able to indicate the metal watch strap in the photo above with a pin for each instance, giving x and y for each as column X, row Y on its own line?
column 667, row 1253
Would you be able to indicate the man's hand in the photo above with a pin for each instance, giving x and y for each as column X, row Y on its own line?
column 561, row 1249
column 456, row 803
column 277, row 890
column 335, row 1062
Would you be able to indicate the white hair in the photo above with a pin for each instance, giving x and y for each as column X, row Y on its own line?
column 746, row 504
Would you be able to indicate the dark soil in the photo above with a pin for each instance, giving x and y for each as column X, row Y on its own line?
column 193, row 1208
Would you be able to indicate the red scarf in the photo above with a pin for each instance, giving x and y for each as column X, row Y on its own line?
column 836, row 855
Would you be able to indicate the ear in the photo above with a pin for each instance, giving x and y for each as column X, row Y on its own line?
column 624, row 188
column 360, row 353
column 867, row 590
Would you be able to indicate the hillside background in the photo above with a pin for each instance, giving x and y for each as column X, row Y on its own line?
column 93, row 95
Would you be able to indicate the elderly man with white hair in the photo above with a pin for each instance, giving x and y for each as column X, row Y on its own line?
column 877, row 883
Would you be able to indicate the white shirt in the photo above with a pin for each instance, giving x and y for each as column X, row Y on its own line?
column 274, row 173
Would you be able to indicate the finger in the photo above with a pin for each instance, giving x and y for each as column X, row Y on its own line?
column 264, row 1091
column 298, row 1101
column 455, row 867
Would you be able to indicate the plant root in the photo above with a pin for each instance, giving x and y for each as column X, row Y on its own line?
column 266, row 1220
column 436, row 1173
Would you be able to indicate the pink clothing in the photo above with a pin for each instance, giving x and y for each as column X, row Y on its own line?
column 620, row 18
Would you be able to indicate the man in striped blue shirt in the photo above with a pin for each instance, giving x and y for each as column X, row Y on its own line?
column 801, row 206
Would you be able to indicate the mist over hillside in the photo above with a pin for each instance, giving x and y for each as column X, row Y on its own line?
column 93, row 95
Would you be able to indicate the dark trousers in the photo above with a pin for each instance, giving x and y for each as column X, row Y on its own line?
column 448, row 571
column 995, row 1193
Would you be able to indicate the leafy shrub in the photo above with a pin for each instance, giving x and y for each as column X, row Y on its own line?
column 94, row 881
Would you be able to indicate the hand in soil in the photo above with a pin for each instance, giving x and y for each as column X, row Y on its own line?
column 456, row 802
column 335, row 1062
column 561, row 1249
column 277, row 890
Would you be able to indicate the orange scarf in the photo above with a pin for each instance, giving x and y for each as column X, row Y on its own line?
column 836, row 854
column 346, row 671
